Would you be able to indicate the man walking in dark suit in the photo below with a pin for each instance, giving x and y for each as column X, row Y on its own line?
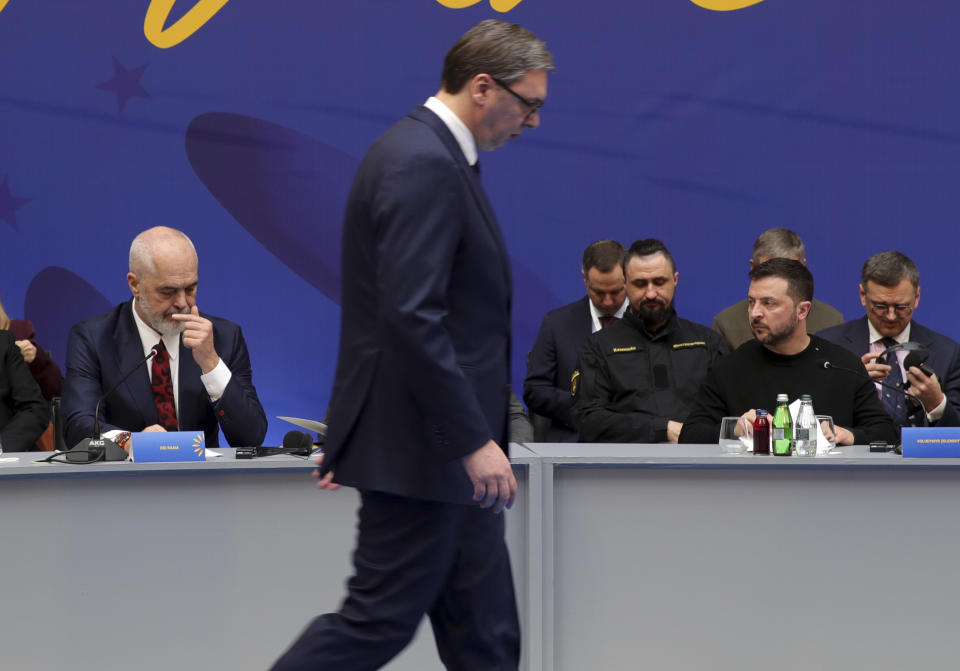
column 200, row 380
column 551, row 362
column 418, row 414
column 890, row 293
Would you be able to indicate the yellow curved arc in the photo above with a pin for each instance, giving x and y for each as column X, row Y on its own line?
column 159, row 11
column 725, row 5
column 458, row 4
column 3, row 3
column 502, row 6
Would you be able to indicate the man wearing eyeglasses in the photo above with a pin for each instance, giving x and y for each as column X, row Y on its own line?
column 418, row 414
column 890, row 293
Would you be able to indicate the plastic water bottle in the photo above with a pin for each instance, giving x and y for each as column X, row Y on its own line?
column 805, row 432
column 782, row 428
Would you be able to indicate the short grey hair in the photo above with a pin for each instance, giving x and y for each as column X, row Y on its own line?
column 778, row 243
column 888, row 269
column 141, row 249
column 505, row 51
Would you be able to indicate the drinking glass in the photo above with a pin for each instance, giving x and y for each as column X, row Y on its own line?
column 824, row 444
column 736, row 435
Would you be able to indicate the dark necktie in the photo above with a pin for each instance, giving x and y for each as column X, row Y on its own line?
column 896, row 404
column 476, row 167
column 162, row 384
column 606, row 320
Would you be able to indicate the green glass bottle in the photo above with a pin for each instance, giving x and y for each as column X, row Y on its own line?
column 782, row 428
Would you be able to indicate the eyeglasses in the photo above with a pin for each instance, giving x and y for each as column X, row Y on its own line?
column 534, row 105
column 881, row 309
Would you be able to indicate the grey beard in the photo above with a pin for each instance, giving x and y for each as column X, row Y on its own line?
column 164, row 328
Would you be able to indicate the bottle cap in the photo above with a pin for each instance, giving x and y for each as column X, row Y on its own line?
column 806, row 397
column 782, row 398
column 761, row 413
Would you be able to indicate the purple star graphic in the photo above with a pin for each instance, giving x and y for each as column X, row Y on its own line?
column 9, row 204
column 125, row 83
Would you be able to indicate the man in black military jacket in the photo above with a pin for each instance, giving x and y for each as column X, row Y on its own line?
column 636, row 380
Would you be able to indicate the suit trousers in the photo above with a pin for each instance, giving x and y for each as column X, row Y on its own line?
column 412, row 558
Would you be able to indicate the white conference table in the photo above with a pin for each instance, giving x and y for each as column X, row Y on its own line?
column 200, row 565
column 625, row 556
column 680, row 557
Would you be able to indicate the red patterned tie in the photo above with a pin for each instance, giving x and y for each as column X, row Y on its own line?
column 606, row 320
column 162, row 385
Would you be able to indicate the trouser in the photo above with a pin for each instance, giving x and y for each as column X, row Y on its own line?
column 413, row 558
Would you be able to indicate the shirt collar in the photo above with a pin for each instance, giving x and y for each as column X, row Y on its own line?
column 461, row 133
column 149, row 337
column 595, row 313
column 902, row 337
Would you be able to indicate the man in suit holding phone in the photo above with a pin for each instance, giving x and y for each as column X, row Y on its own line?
column 890, row 293
column 418, row 414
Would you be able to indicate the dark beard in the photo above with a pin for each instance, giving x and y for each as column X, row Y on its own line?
column 654, row 316
column 774, row 338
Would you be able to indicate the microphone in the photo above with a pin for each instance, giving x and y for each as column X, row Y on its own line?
column 103, row 449
column 297, row 443
column 828, row 365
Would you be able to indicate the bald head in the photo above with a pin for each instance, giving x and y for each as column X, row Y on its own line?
column 163, row 277
column 163, row 242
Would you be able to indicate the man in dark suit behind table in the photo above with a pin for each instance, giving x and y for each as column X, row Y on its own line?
column 419, row 405
column 551, row 362
column 204, row 358
column 890, row 292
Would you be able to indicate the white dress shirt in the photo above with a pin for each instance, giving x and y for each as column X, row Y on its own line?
column 595, row 313
column 461, row 133
column 215, row 382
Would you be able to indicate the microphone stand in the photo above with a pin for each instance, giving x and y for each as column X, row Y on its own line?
column 96, row 448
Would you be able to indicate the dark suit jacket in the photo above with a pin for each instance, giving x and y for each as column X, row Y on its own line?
column 423, row 367
column 102, row 349
column 24, row 413
column 550, row 366
column 944, row 360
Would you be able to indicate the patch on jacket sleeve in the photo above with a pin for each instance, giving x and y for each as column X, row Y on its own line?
column 687, row 345
column 619, row 350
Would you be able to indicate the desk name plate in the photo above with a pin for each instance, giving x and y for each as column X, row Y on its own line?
column 168, row 446
column 931, row 441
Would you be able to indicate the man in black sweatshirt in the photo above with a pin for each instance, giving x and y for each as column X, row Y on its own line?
column 784, row 359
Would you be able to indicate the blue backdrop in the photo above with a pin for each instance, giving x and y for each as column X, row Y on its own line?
column 242, row 123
